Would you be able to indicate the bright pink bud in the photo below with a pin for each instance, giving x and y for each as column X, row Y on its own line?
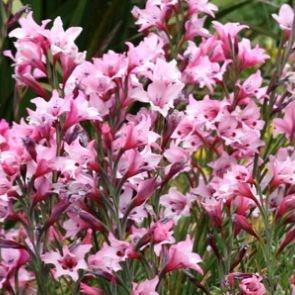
column 287, row 208
column 244, row 190
column 241, row 222
column 10, row 164
column 145, row 190
column 42, row 186
column 107, row 134
column 24, row 257
column 27, row 78
column 93, row 222
column 57, row 210
column 10, row 244
column 213, row 245
column 289, row 238
column 30, row 146
column 43, row 167
column 214, row 210
column 88, row 290
column 174, row 169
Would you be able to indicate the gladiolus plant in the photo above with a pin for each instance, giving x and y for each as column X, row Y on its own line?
column 168, row 168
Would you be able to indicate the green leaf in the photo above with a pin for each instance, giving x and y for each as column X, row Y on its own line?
column 231, row 8
column 78, row 13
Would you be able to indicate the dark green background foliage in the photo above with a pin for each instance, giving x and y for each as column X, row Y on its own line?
column 108, row 24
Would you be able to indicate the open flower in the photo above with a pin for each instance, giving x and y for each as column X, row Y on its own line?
column 285, row 17
column 147, row 287
column 68, row 262
column 180, row 256
column 175, row 204
column 252, row 286
column 286, row 125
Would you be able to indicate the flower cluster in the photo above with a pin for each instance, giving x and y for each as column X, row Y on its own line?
column 149, row 170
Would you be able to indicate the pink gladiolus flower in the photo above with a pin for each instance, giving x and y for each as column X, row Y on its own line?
column 153, row 15
column 133, row 162
column 250, row 88
column 162, row 231
column 29, row 28
column 68, row 262
column 285, row 17
column 107, row 260
column 195, row 27
column 289, row 239
column 80, row 110
column 180, row 256
column 252, row 286
column 249, row 57
column 144, row 191
column 47, row 111
column 200, row 69
column 281, row 168
column 175, row 204
column 228, row 33
column 147, row 287
column 240, row 222
column 201, row 6
column 286, row 125
column 286, row 208
column 14, row 258
column 5, row 208
column 165, row 87
column 214, row 210
column 134, row 135
column 62, row 41
column 33, row 43
column 116, row 149
column 149, row 49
